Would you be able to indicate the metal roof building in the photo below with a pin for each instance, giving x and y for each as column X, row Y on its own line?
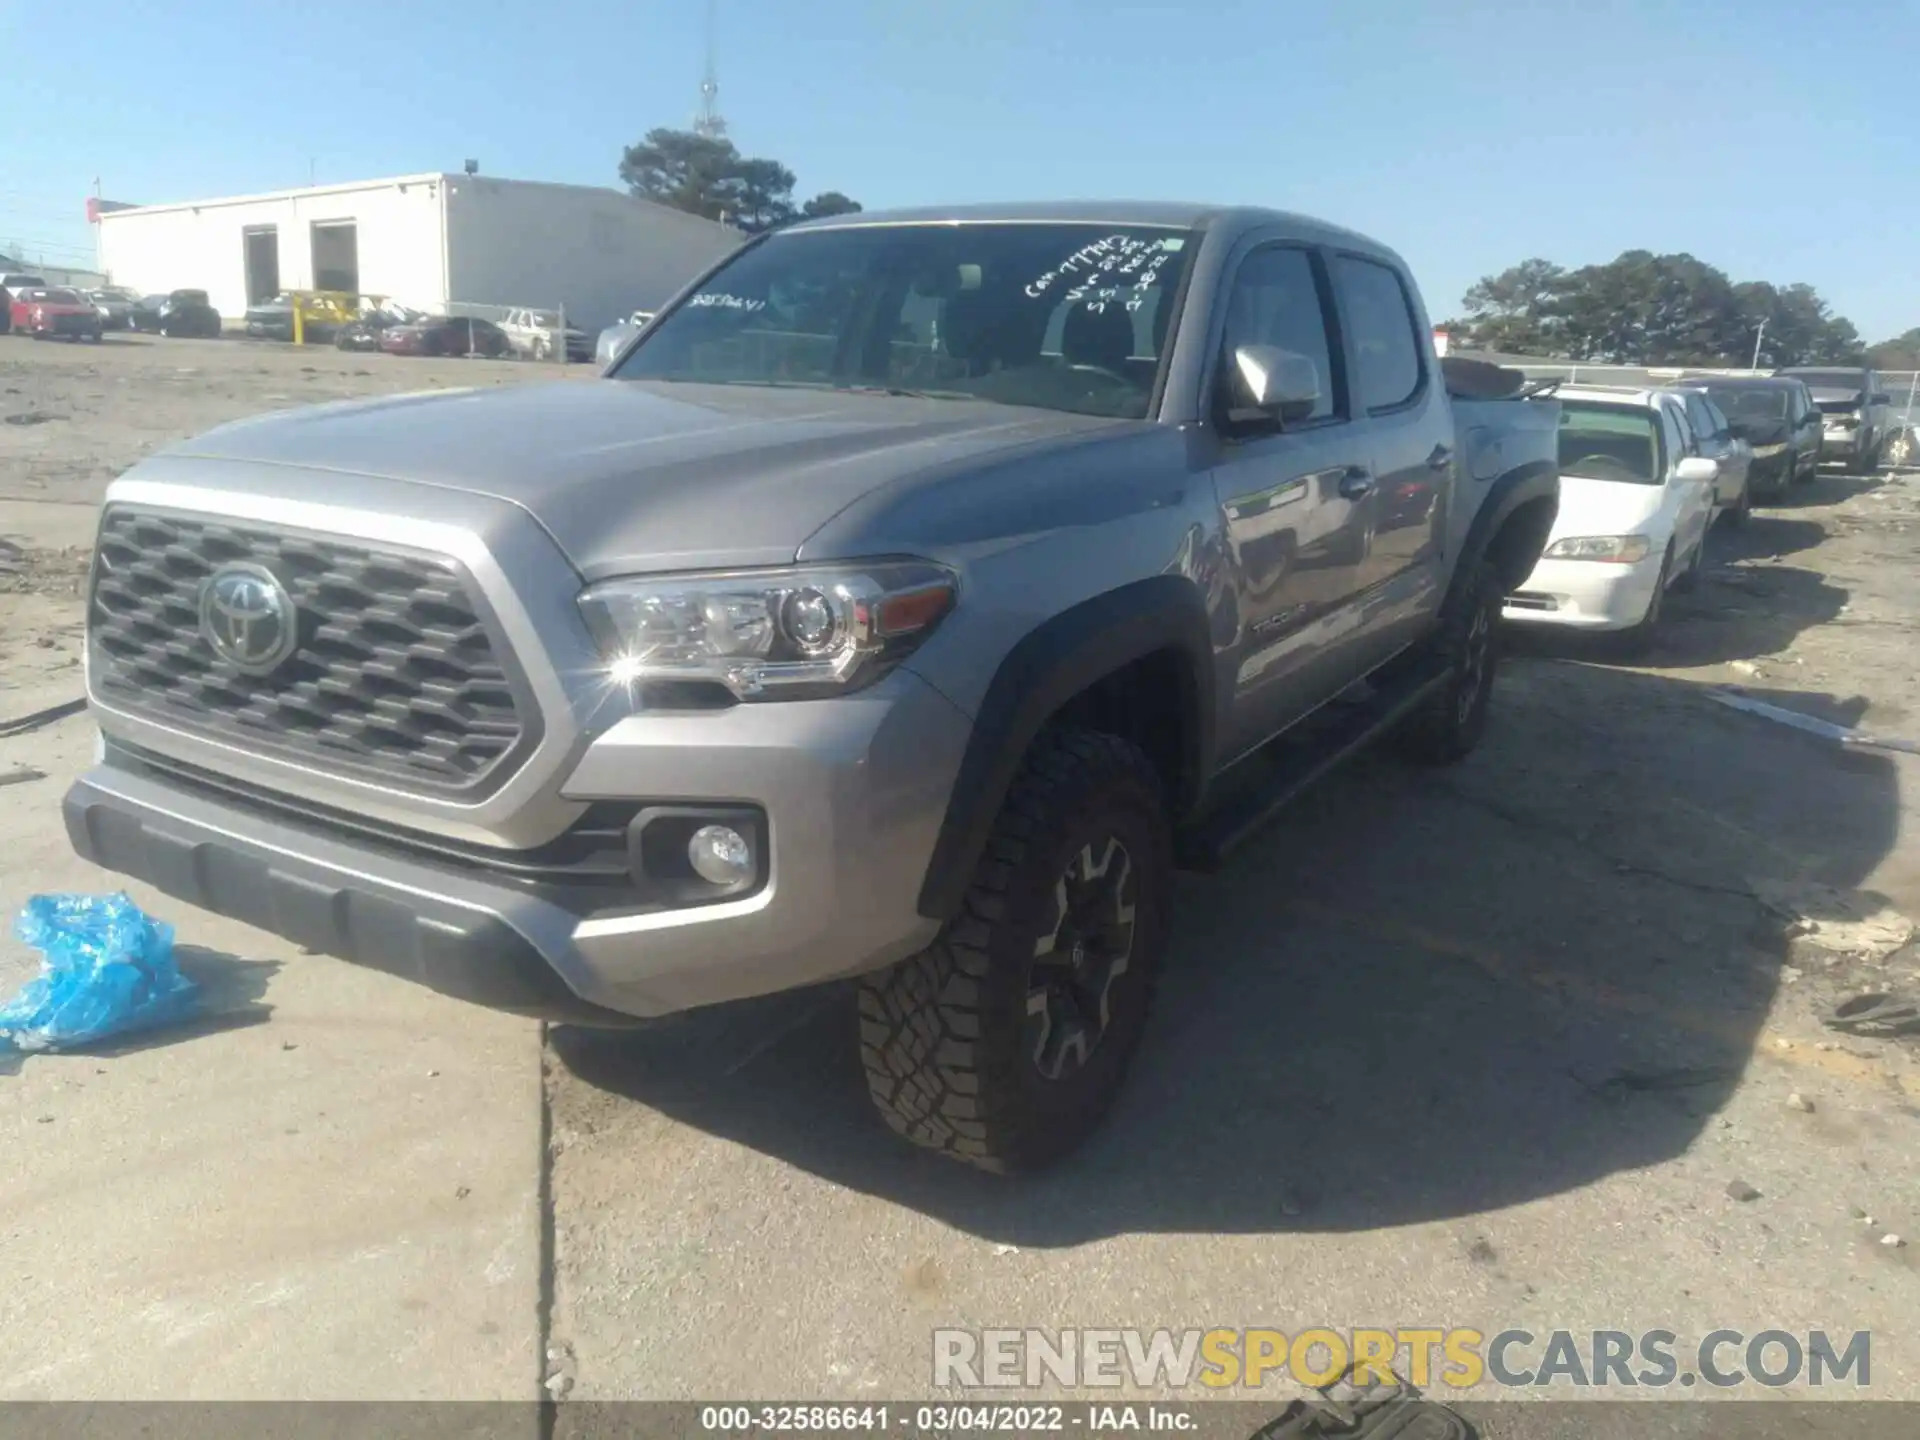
column 429, row 241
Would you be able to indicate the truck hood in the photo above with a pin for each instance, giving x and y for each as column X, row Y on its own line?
column 630, row 477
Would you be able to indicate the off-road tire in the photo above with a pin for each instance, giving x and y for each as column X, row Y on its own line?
column 944, row 1034
column 1450, row 723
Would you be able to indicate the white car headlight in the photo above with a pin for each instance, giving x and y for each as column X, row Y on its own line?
column 768, row 634
column 1609, row 549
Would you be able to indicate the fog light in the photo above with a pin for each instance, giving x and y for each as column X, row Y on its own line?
column 720, row 855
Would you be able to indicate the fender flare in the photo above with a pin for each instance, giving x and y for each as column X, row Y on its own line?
column 1057, row 660
column 1522, row 485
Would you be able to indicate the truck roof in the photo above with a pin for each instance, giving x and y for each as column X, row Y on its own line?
column 1186, row 215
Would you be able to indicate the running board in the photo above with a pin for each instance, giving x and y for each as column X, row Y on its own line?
column 1293, row 763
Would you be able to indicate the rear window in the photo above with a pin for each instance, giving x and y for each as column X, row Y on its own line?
column 1610, row 442
column 1752, row 403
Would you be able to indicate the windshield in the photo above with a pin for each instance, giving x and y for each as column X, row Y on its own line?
column 1609, row 442
column 1750, row 405
column 61, row 297
column 1061, row 316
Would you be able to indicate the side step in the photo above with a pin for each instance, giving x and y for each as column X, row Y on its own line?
column 1288, row 764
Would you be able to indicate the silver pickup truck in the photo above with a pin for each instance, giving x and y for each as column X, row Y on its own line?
column 899, row 606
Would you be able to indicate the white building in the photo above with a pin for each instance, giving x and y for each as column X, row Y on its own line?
column 427, row 241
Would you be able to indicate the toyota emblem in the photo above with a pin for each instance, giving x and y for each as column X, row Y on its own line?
column 248, row 617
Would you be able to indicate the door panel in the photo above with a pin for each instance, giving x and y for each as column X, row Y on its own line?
column 1692, row 499
column 1410, row 438
column 1296, row 503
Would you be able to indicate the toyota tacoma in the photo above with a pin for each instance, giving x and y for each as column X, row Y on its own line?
column 899, row 607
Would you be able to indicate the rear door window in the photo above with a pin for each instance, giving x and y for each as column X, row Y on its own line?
column 1703, row 427
column 1383, row 336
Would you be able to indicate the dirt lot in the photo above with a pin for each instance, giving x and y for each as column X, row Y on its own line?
column 1487, row 1048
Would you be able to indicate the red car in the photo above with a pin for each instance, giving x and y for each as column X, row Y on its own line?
column 54, row 311
column 447, row 335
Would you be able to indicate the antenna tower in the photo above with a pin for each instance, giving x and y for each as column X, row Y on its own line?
column 709, row 122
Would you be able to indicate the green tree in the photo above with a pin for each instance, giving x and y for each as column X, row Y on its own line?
column 1900, row 353
column 830, row 202
column 1646, row 309
column 1515, row 312
column 707, row 175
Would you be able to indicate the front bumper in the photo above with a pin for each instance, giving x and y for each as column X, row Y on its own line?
column 853, row 789
column 1840, row 444
column 1771, row 465
column 1585, row 594
column 63, row 325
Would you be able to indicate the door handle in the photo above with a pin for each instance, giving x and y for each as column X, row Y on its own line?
column 1356, row 484
column 1440, row 458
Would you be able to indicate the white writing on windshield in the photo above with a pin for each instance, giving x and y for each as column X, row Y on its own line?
column 1118, row 269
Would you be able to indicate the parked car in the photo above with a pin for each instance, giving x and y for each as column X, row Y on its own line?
column 1713, row 436
column 115, row 306
column 365, row 333
column 617, row 334
column 178, row 313
column 271, row 319
column 1856, row 412
column 1777, row 417
column 446, row 335
column 533, row 334
column 53, row 311
column 11, row 281
column 1635, row 507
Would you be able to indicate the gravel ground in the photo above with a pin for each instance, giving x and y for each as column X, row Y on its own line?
column 1486, row 1048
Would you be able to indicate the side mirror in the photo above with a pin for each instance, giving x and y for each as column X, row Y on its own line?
column 1273, row 383
column 1697, row 470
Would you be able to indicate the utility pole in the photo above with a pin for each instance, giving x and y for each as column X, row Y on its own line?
column 1756, row 345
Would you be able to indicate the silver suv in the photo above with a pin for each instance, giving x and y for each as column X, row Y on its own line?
column 1856, row 413
column 897, row 609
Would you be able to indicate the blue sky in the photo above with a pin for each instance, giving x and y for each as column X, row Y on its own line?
column 1760, row 136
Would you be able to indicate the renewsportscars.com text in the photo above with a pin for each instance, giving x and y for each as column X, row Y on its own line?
column 1223, row 1359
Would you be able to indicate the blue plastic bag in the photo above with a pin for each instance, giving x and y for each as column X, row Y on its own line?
column 106, row 968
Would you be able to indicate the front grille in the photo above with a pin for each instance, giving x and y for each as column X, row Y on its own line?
column 394, row 676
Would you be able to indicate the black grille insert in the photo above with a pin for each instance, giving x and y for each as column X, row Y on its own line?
column 395, row 674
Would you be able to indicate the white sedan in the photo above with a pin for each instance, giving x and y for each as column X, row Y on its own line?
column 1634, row 514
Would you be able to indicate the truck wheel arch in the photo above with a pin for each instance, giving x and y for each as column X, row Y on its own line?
column 1513, row 523
column 1159, row 625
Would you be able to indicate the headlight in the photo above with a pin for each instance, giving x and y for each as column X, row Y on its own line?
column 768, row 634
column 1611, row 549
